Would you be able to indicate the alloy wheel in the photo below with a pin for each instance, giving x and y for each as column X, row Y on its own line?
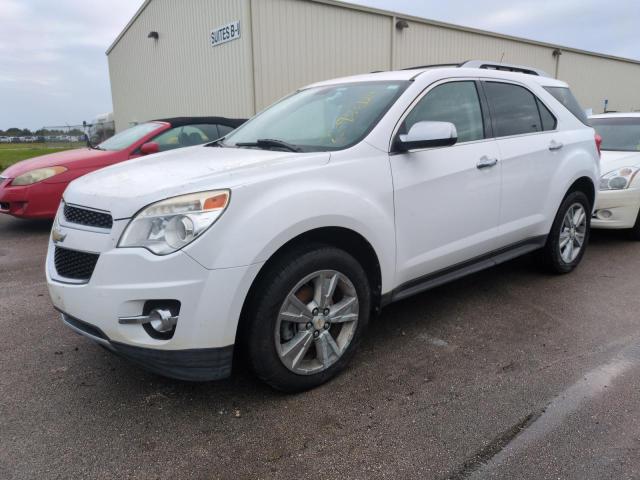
column 573, row 232
column 316, row 322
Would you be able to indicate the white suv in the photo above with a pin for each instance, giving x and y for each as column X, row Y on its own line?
column 283, row 237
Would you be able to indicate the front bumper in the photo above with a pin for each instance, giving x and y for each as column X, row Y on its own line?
column 39, row 200
column 124, row 279
column 197, row 364
column 616, row 209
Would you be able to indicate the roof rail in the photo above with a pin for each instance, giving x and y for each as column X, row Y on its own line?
column 418, row 67
column 504, row 67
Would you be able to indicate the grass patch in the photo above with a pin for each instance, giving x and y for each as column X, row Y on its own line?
column 11, row 153
column 62, row 145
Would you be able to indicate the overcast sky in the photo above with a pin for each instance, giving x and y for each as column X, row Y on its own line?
column 53, row 68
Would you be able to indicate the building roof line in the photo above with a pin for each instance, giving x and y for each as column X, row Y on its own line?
column 425, row 21
column 127, row 26
column 452, row 26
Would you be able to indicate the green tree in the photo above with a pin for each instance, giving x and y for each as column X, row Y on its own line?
column 14, row 132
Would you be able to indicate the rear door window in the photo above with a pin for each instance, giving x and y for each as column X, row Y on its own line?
column 514, row 109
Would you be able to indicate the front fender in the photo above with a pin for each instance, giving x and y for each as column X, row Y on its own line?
column 263, row 217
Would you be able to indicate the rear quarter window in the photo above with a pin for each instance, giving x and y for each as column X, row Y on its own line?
column 548, row 120
column 566, row 98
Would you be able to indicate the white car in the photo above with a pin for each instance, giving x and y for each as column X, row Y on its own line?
column 618, row 204
column 283, row 237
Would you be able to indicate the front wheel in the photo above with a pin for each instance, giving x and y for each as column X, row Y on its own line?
column 569, row 234
column 635, row 231
column 306, row 318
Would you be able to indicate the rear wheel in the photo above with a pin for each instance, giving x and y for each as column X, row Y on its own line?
column 306, row 318
column 569, row 234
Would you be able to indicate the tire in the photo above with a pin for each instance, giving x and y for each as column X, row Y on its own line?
column 277, row 328
column 635, row 231
column 554, row 256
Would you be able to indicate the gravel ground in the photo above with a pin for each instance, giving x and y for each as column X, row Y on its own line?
column 510, row 373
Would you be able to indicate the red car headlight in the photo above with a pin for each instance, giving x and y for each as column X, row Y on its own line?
column 37, row 175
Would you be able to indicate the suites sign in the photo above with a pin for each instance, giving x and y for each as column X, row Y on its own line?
column 225, row 33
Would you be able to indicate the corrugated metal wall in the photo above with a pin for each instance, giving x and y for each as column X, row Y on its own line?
column 594, row 79
column 421, row 44
column 181, row 73
column 298, row 42
column 287, row 44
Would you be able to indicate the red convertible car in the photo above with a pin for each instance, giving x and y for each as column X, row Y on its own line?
column 33, row 188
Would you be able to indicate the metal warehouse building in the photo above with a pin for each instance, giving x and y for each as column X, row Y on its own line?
column 234, row 57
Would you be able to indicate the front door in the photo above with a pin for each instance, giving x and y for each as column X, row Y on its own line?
column 446, row 199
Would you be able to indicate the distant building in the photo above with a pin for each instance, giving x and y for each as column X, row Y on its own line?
column 234, row 57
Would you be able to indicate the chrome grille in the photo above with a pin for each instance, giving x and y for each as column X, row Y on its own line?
column 89, row 218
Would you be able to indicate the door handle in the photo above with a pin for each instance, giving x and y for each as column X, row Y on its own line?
column 486, row 162
column 555, row 145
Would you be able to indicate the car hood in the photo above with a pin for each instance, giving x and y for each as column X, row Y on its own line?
column 76, row 158
column 612, row 160
column 123, row 189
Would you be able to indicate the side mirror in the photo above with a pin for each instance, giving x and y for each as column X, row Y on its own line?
column 149, row 148
column 427, row 135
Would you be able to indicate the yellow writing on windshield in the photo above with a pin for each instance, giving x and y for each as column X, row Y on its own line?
column 349, row 117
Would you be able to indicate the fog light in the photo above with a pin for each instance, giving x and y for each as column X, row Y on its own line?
column 162, row 320
column 159, row 318
column 604, row 214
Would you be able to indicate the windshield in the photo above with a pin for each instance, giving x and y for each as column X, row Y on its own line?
column 620, row 134
column 128, row 137
column 320, row 119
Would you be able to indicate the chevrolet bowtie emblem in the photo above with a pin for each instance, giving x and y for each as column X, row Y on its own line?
column 57, row 236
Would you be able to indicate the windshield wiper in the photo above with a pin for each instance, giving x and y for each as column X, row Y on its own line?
column 270, row 143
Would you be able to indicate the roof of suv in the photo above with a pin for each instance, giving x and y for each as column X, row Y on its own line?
column 467, row 69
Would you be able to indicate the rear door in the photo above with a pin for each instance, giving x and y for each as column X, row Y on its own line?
column 531, row 151
column 446, row 199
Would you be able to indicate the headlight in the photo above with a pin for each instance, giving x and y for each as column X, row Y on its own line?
column 37, row 175
column 618, row 179
column 167, row 226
